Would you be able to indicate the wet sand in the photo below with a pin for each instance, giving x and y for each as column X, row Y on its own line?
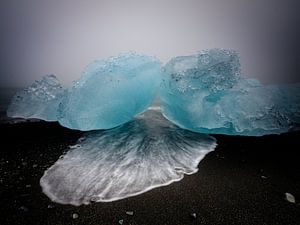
column 243, row 181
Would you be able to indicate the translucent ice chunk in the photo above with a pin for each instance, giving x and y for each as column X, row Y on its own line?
column 40, row 100
column 111, row 92
column 125, row 161
column 205, row 93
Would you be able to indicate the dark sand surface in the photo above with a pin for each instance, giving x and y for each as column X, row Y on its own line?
column 243, row 181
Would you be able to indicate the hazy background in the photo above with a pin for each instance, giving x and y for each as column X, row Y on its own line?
column 39, row 37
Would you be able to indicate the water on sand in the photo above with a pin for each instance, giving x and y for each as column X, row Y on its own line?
column 125, row 161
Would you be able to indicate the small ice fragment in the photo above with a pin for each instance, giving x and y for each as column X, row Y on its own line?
column 130, row 213
column 40, row 100
column 290, row 198
column 193, row 215
column 121, row 222
column 50, row 206
column 75, row 215
column 24, row 208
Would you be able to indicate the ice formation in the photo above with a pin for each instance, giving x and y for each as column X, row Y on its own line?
column 111, row 92
column 205, row 93
column 125, row 161
column 40, row 100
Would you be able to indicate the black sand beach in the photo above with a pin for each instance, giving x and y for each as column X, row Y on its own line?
column 243, row 181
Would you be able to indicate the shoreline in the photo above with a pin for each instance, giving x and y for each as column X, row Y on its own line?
column 243, row 181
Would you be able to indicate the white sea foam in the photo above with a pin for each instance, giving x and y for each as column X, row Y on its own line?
column 125, row 161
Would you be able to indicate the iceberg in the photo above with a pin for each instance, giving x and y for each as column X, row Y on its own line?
column 203, row 93
column 111, row 92
column 206, row 93
column 125, row 161
column 38, row 101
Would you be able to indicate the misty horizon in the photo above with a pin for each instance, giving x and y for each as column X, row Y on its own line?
column 63, row 37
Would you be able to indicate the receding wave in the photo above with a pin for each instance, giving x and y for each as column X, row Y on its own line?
column 125, row 161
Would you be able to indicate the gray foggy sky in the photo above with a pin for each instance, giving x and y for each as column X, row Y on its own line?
column 41, row 37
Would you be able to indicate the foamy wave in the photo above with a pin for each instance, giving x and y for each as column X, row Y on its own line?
column 125, row 161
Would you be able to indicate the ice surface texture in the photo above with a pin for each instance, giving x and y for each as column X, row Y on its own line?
column 125, row 161
column 40, row 100
column 205, row 93
column 111, row 92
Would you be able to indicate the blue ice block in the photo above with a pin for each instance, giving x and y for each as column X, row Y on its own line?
column 111, row 92
column 205, row 93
